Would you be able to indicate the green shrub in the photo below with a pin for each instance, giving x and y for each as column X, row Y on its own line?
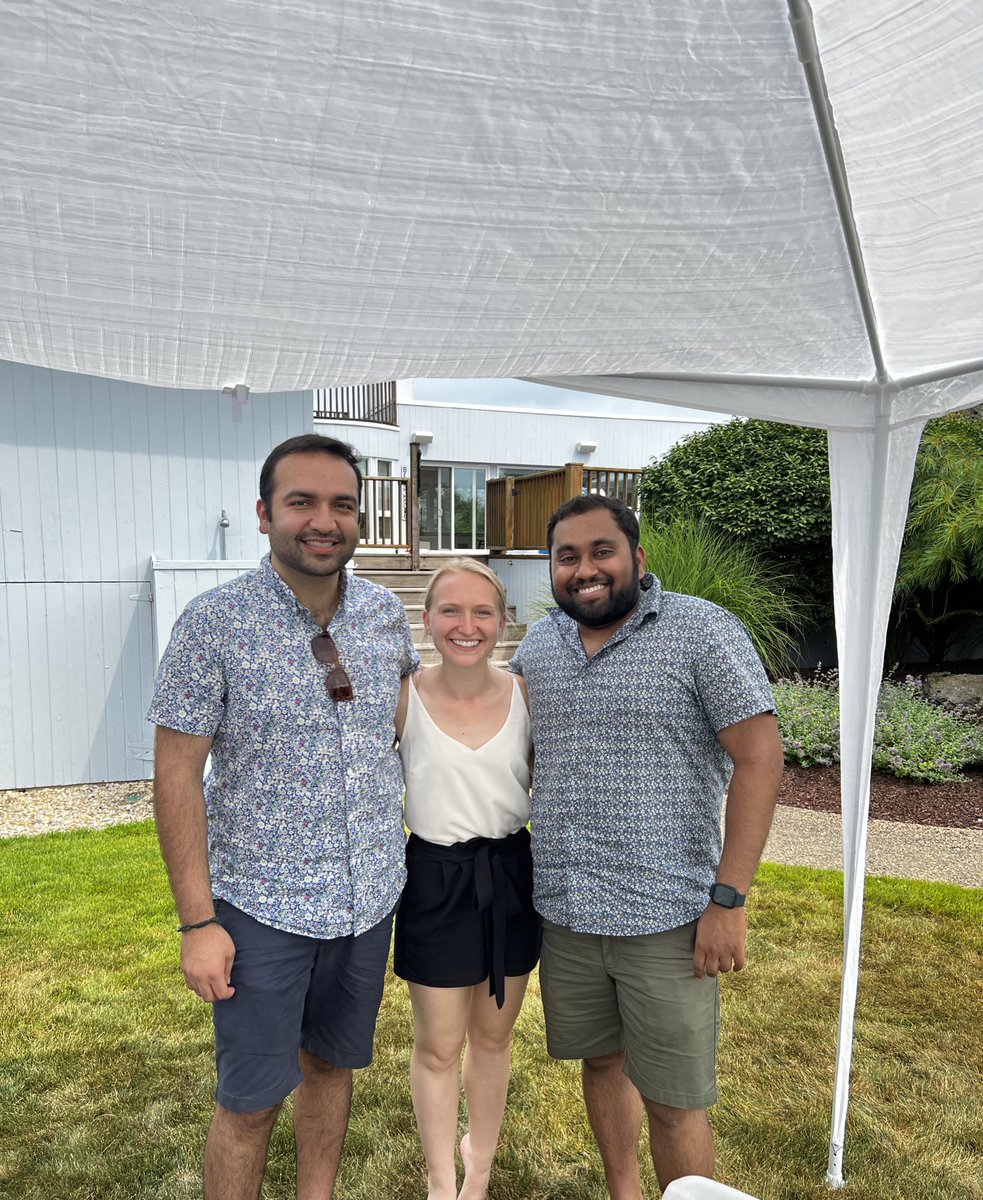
column 690, row 557
column 912, row 738
column 940, row 577
column 763, row 485
column 766, row 485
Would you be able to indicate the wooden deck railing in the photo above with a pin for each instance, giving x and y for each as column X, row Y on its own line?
column 385, row 513
column 519, row 507
column 613, row 481
column 498, row 512
column 362, row 402
column 517, row 510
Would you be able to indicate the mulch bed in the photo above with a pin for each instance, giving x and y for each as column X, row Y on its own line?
column 955, row 805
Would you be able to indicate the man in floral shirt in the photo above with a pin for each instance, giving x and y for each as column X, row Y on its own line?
column 644, row 705
column 287, row 862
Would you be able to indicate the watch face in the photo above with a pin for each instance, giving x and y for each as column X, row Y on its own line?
column 724, row 895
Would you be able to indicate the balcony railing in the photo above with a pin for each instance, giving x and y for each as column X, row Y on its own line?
column 374, row 402
column 616, row 482
column 385, row 513
column 519, row 508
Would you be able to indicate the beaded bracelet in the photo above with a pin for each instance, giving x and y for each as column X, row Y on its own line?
column 198, row 925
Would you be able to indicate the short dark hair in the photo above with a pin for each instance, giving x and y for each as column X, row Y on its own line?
column 305, row 443
column 624, row 518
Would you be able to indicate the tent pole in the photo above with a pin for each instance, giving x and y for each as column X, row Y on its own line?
column 804, row 32
column 868, row 527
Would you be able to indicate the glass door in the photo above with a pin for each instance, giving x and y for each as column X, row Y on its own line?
column 452, row 508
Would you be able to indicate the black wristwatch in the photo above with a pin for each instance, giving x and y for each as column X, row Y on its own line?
column 726, row 896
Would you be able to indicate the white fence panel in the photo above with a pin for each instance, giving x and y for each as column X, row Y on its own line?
column 527, row 583
column 78, row 680
column 175, row 583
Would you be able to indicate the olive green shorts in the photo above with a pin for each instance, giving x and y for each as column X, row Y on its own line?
column 602, row 995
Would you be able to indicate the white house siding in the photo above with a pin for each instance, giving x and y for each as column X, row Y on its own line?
column 98, row 476
column 369, row 441
column 496, row 438
column 95, row 478
column 526, row 579
column 74, row 686
column 501, row 437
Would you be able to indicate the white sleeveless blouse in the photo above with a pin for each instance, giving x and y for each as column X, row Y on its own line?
column 454, row 793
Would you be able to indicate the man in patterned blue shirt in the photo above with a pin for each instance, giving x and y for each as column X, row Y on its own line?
column 645, row 704
column 287, row 863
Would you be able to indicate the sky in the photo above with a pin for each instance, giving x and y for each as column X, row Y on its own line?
column 518, row 393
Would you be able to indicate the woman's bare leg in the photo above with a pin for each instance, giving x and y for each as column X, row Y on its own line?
column 487, row 1061
column 440, row 1022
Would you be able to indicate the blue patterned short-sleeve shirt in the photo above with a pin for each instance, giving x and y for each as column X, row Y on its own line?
column 304, row 794
column 629, row 776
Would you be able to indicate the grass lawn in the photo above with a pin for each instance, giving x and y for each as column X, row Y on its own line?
column 106, row 1068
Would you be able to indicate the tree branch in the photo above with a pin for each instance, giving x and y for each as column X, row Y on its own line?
column 958, row 612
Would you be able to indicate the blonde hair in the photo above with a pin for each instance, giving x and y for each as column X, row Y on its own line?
column 465, row 566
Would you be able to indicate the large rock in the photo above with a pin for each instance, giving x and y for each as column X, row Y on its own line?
column 965, row 690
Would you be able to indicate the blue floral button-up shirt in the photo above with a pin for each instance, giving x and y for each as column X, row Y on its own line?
column 304, row 795
column 630, row 776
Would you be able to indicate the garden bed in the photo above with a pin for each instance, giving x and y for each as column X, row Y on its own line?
column 956, row 805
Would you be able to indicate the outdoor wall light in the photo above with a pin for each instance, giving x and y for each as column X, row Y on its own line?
column 586, row 447
column 424, row 438
column 240, row 395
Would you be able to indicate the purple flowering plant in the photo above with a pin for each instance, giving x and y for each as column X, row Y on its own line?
column 913, row 739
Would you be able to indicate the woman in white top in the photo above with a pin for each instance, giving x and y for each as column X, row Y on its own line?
column 466, row 932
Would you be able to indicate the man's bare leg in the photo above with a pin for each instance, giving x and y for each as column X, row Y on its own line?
column 235, row 1153
column 681, row 1142
column 322, row 1106
column 614, row 1109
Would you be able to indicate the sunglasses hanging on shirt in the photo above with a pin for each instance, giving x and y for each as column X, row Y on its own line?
column 326, row 652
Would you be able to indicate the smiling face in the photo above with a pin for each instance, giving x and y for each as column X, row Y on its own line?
column 312, row 519
column 464, row 618
column 594, row 574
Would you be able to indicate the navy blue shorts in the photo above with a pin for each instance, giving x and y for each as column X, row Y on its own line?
column 293, row 992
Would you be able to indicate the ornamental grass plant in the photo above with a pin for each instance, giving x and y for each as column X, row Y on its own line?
column 106, row 1070
column 688, row 555
column 913, row 739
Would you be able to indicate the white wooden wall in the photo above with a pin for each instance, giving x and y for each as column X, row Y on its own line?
column 96, row 477
column 175, row 583
column 526, row 579
column 540, row 438
column 75, row 671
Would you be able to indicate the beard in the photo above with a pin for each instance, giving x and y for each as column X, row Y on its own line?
column 620, row 602
column 291, row 555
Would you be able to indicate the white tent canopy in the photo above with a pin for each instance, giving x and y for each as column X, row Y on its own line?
column 745, row 205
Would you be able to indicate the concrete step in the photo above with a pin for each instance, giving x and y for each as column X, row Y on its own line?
column 512, row 636
column 410, row 586
column 500, row 655
column 415, row 614
column 399, row 563
column 395, row 580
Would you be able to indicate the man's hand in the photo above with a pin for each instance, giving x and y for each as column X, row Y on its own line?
column 721, row 935
column 207, row 955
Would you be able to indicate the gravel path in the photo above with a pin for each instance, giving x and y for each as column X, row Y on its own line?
column 85, row 806
column 802, row 838
column 799, row 837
